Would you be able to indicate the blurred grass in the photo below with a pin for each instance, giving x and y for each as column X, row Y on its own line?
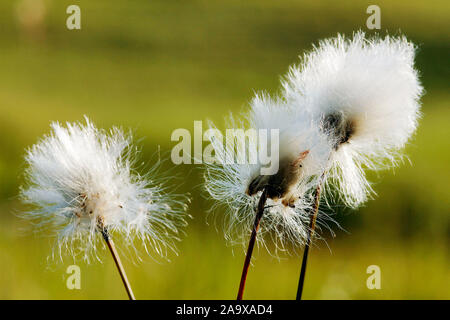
column 155, row 66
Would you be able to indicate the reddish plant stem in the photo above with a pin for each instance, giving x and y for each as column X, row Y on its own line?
column 251, row 243
column 312, row 226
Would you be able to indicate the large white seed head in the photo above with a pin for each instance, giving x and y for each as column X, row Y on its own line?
column 370, row 87
column 80, row 180
column 228, row 184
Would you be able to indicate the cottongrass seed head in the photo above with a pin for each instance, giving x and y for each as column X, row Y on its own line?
column 285, row 224
column 364, row 93
column 80, row 180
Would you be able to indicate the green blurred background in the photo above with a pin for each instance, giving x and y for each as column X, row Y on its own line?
column 155, row 66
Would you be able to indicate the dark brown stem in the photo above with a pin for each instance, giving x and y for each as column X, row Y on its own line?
column 312, row 226
column 119, row 265
column 251, row 243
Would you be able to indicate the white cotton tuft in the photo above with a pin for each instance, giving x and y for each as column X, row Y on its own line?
column 370, row 84
column 80, row 178
column 228, row 183
column 297, row 132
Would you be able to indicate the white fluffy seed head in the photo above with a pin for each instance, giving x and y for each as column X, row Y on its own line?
column 228, row 184
column 370, row 83
column 297, row 132
column 80, row 179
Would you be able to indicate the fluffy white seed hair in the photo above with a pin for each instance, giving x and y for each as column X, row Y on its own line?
column 78, row 176
column 227, row 183
column 371, row 82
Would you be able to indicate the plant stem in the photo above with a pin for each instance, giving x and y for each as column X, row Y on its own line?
column 112, row 249
column 251, row 243
column 312, row 226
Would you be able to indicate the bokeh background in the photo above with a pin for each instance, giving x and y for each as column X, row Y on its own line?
column 154, row 66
